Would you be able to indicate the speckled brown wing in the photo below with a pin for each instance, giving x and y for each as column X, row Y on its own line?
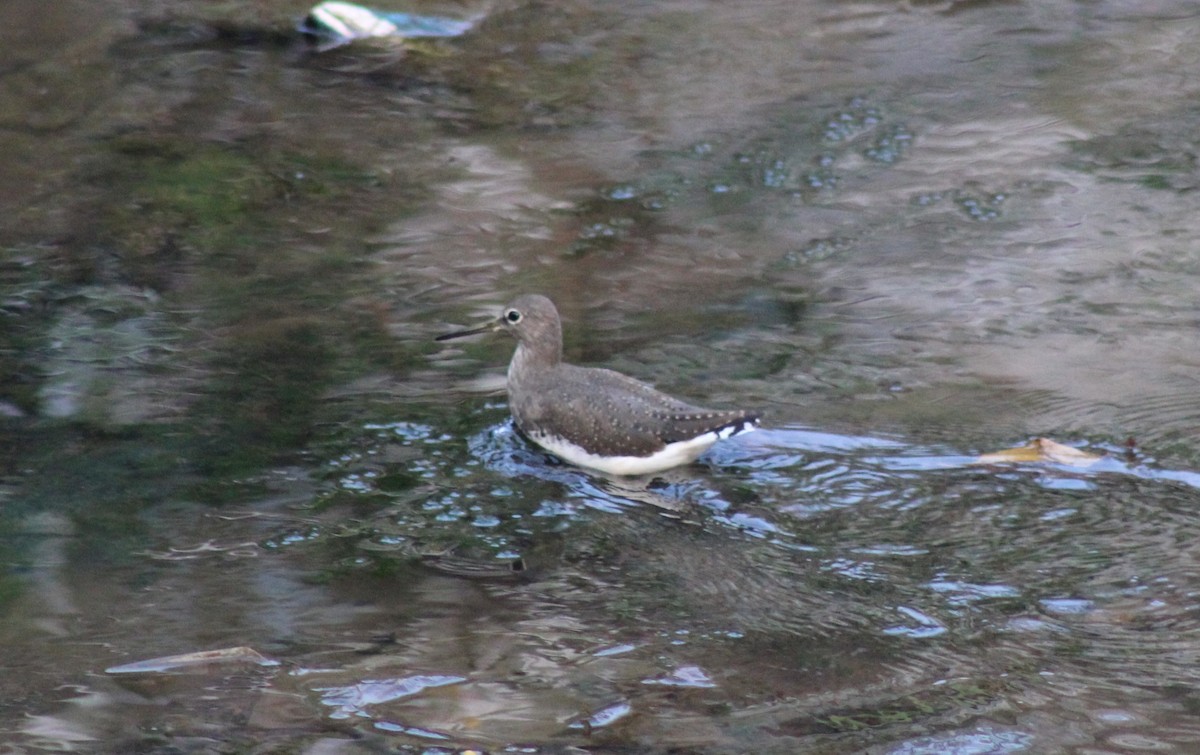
column 610, row 414
column 681, row 427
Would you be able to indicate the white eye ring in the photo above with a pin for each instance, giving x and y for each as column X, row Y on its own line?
column 512, row 316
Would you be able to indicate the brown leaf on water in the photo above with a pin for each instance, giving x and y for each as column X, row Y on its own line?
column 1041, row 450
column 192, row 660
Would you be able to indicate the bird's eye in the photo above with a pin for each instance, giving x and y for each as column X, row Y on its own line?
column 512, row 315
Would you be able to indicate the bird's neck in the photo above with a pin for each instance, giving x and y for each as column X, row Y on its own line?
column 531, row 357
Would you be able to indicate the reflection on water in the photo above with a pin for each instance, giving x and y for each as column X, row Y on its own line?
column 917, row 594
column 354, row 699
column 911, row 236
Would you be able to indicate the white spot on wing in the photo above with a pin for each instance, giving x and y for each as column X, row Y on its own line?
column 737, row 429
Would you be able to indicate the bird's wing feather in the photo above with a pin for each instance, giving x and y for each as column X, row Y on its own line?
column 609, row 413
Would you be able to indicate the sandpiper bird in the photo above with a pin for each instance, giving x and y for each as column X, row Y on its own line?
column 593, row 417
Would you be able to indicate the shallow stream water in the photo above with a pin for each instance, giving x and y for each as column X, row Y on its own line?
column 911, row 233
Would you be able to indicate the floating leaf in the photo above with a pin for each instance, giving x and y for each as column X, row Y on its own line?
column 189, row 660
column 1041, row 450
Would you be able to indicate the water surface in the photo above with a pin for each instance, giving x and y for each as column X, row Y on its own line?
column 909, row 233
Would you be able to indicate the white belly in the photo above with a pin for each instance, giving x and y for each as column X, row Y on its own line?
column 673, row 455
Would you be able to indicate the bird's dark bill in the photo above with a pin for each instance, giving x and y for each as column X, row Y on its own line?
column 491, row 326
